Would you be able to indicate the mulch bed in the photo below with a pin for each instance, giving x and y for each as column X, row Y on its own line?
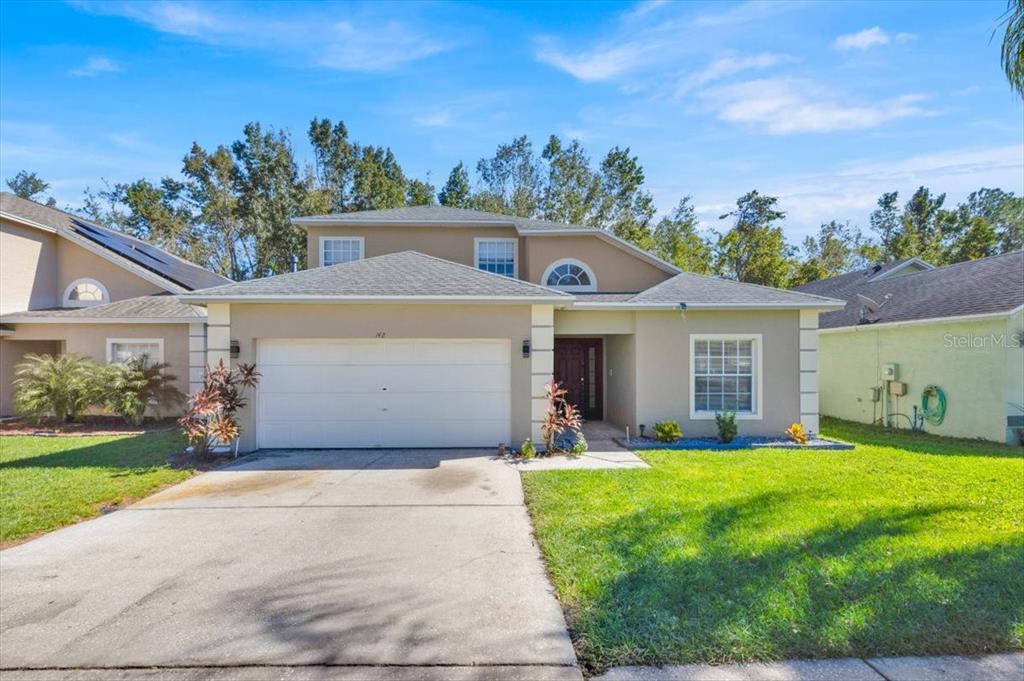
column 86, row 425
column 713, row 444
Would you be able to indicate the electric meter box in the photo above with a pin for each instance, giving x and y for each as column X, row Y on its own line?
column 890, row 372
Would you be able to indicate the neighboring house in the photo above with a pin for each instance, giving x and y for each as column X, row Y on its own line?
column 435, row 326
column 958, row 327
column 68, row 285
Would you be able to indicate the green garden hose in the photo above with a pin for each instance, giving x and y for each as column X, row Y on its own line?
column 933, row 405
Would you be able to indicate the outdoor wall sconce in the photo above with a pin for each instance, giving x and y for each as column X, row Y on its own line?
column 235, row 349
column 526, row 348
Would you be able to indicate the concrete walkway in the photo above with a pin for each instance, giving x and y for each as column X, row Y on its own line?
column 998, row 667
column 603, row 453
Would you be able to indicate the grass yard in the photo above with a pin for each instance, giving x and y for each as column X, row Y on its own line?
column 905, row 545
column 49, row 482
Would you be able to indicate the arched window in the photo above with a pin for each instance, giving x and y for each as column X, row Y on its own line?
column 570, row 275
column 85, row 292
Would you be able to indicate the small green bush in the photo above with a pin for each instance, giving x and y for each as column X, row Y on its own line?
column 667, row 431
column 131, row 386
column 727, row 429
column 528, row 450
column 59, row 387
column 579, row 445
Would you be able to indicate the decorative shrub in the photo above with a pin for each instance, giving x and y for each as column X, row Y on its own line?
column 58, row 388
column 727, row 429
column 528, row 450
column 129, row 387
column 579, row 445
column 797, row 434
column 559, row 417
column 667, row 431
column 212, row 412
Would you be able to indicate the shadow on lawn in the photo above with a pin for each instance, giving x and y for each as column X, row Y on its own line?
column 708, row 585
column 133, row 454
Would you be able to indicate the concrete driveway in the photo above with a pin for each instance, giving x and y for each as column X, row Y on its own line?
column 302, row 558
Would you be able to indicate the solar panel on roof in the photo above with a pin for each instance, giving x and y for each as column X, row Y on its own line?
column 142, row 254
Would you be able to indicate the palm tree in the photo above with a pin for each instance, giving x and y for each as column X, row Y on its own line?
column 1013, row 44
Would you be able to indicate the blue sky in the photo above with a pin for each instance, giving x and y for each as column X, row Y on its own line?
column 823, row 104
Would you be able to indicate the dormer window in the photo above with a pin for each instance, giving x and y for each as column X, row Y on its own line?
column 85, row 292
column 338, row 249
column 570, row 275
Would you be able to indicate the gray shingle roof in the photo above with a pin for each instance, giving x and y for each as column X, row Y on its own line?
column 697, row 290
column 982, row 286
column 163, row 306
column 170, row 267
column 436, row 215
column 405, row 274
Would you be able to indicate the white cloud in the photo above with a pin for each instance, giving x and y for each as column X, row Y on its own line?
column 317, row 35
column 870, row 37
column 781, row 106
column 644, row 37
column 437, row 119
column 96, row 66
column 731, row 65
column 850, row 190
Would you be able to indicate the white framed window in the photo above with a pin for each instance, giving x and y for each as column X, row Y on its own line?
column 497, row 256
column 339, row 249
column 122, row 349
column 570, row 274
column 725, row 375
column 85, row 292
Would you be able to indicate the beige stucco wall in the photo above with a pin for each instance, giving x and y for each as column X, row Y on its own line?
column 13, row 353
column 91, row 340
column 249, row 323
column 616, row 270
column 28, row 268
column 75, row 262
column 620, row 380
column 978, row 381
column 663, row 366
column 450, row 243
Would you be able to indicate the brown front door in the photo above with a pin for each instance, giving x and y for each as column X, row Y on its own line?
column 578, row 367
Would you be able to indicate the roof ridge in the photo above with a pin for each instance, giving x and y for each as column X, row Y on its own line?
column 947, row 266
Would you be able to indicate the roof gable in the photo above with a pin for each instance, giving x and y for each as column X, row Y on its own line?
column 697, row 290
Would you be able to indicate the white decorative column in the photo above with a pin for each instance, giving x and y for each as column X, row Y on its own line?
column 809, row 370
column 218, row 334
column 542, row 364
column 196, row 356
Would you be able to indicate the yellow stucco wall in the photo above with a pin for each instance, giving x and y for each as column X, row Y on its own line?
column 974, row 373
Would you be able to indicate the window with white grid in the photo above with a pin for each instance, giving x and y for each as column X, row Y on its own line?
column 724, row 375
column 341, row 249
column 497, row 256
column 123, row 349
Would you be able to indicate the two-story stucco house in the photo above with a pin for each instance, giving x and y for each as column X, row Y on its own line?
column 68, row 285
column 436, row 326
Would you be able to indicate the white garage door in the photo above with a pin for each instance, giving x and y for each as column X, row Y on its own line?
column 383, row 393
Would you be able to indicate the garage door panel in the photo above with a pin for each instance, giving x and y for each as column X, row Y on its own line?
column 450, row 378
column 439, row 393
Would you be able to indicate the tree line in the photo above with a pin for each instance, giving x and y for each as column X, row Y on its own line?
column 230, row 209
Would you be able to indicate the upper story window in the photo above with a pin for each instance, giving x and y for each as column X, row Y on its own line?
column 570, row 275
column 725, row 375
column 497, row 256
column 339, row 249
column 85, row 292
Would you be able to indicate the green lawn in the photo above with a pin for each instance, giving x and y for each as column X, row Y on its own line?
column 907, row 544
column 49, row 482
